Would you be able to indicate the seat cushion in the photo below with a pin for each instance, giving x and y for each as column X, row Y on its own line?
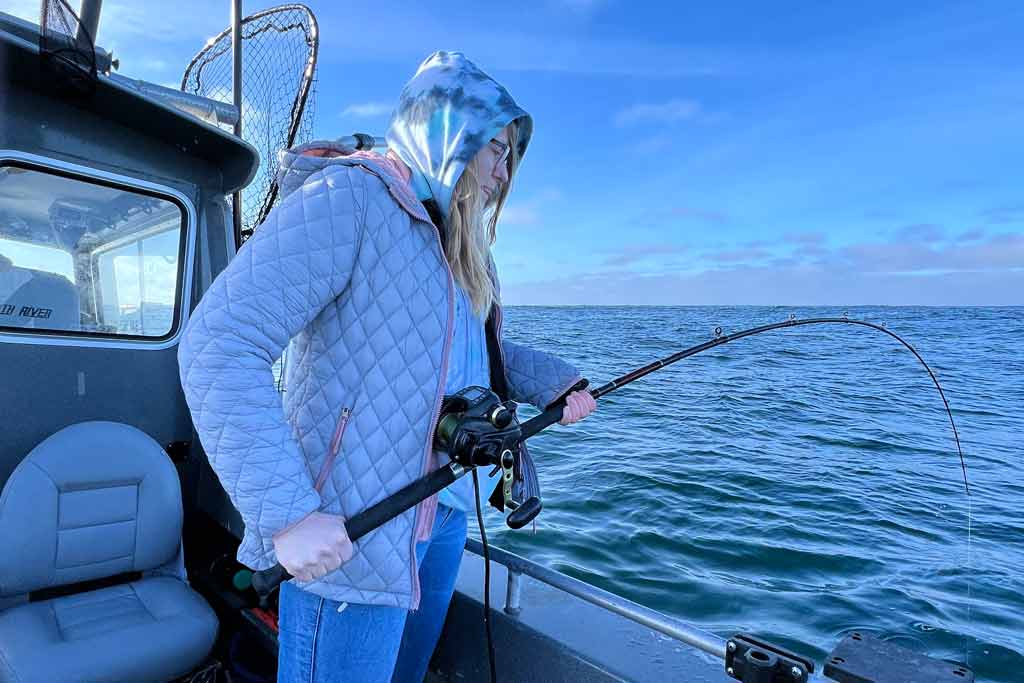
column 154, row 629
column 93, row 500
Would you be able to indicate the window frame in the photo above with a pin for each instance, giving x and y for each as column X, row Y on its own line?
column 186, row 253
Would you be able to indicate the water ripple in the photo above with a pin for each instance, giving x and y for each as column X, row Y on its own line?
column 801, row 484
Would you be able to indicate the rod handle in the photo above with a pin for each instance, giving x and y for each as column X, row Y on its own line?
column 376, row 515
column 267, row 580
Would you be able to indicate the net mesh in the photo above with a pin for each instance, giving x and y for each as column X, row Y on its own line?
column 67, row 48
column 279, row 52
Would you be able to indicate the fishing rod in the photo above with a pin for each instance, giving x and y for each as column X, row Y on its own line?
column 792, row 321
column 478, row 429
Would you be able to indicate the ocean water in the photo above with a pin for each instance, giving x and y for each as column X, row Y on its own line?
column 800, row 484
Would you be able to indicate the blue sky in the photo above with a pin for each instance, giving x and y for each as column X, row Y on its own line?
column 748, row 153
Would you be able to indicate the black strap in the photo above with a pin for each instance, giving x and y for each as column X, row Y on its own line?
column 499, row 383
column 434, row 211
column 83, row 586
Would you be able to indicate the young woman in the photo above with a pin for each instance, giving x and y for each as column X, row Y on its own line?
column 377, row 269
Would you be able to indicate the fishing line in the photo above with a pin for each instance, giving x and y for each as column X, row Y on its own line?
column 487, row 579
column 721, row 338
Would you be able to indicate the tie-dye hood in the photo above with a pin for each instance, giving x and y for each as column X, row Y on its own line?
column 446, row 113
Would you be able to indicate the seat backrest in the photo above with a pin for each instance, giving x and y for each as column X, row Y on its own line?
column 37, row 299
column 93, row 500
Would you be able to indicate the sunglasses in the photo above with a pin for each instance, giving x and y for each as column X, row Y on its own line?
column 502, row 151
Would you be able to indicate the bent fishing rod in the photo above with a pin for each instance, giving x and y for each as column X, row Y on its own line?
column 477, row 429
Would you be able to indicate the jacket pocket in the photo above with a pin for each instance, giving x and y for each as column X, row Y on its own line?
column 332, row 451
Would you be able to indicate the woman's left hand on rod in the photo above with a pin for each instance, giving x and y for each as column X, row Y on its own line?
column 578, row 405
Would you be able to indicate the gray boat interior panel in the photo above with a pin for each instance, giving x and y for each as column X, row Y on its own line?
column 115, row 125
column 46, row 388
column 38, row 125
column 53, row 381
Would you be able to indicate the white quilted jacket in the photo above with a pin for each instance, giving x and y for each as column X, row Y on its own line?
column 350, row 266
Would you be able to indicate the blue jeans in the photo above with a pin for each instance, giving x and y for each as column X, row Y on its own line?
column 322, row 640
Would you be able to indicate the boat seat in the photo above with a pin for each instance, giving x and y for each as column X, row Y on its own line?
column 51, row 301
column 94, row 501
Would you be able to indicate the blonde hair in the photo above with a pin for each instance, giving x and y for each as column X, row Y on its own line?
column 472, row 229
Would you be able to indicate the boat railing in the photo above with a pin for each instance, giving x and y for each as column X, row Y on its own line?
column 518, row 566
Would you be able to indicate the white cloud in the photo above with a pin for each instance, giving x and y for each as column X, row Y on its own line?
column 771, row 286
column 151, row 64
column 667, row 112
column 662, row 253
column 519, row 214
column 150, row 42
column 985, row 272
column 367, row 109
column 550, row 194
column 530, row 211
column 651, row 145
column 131, row 22
column 422, row 30
column 23, row 9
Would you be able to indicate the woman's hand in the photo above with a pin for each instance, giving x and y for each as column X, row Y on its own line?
column 578, row 405
column 313, row 547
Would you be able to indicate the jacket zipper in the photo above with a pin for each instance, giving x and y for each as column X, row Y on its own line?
column 433, row 422
column 332, row 452
column 416, row 210
column 420, row 214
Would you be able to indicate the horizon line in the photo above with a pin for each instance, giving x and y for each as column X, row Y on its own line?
column 764, row 305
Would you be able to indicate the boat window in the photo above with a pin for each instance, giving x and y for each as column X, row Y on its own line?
column 83, row 257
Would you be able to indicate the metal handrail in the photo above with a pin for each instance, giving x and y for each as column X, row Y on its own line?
column 670, row 626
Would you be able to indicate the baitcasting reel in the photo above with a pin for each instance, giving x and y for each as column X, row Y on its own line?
column 477, row 429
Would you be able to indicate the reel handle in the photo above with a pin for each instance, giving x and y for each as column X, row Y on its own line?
column 525, row 513
column 552, row 415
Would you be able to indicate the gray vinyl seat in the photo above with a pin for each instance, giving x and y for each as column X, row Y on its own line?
column 96, row 500
column 54, row 295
